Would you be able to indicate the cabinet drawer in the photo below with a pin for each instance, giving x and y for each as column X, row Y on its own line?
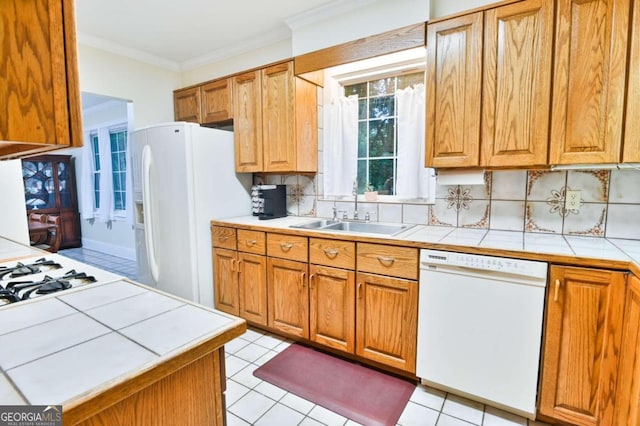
column 251, row 241
column 287, row 247
column 339, row 254
column 388, row 260
column 223, row 237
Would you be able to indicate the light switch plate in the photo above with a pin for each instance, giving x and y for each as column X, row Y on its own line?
column 572, row 200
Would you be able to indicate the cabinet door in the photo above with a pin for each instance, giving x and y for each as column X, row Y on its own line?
column 628, row 390
column 517, row 84
column 454, row 75
column 217, row 101
column 278, row 133
column 186, row 105
column 252, row 284
column 386, row 320
column 332, row 307
column 589, row 81
column 288, row 296
column 631, row 152
column 225, row 281
column 582, row 340
column 247, row 121
column 38, row 83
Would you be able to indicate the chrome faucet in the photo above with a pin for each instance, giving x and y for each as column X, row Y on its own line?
column 355, row 196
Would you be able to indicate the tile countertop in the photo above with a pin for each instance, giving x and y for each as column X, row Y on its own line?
column 618, row 252
column 73, row 345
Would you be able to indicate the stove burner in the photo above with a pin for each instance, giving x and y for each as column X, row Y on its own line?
column 13, row 289
column 20, row 270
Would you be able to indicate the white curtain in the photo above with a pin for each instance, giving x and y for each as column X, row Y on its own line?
column 106, row 210
column 413, row 179
column 340, row 155
column 86, row 179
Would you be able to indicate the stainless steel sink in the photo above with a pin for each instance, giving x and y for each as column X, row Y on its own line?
column 316, row 224
column 355, row 227
column 368, row 227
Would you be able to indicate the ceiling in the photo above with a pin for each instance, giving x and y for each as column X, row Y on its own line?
column 183, row 34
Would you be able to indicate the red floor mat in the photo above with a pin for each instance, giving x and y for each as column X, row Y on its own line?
column 356, row 392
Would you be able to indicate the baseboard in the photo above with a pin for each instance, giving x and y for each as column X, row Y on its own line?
column 112, row 249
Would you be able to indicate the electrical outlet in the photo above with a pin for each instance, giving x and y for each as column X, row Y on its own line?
column 572, row 200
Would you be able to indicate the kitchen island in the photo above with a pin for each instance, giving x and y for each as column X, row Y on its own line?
column 117, row 353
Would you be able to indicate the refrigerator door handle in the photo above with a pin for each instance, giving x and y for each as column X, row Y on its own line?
column 147, row 161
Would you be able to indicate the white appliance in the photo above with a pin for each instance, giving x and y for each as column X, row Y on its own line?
column 480, row 327
column 183, row 177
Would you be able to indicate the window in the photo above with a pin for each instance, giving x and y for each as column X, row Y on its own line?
column 118, row 141
column 377, row 130
column 95, row 148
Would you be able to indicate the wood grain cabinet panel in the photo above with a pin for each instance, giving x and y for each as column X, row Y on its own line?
column 252, row 287
column 335, row 253
column 288, row 297
column 252, row 241
column 288, row 246
column 386, row 320
column 247, row 121
column 589, row 81
column 332, row 307
column 225, row 281
column 217, row 101
column 223, row 237
column 278, row 123
column 583, row 333
column 388, row 260
column 517, row 83
column 631, row 150
column 454, row 75
column 39, row 80
column 627, row 411
column 187, row 105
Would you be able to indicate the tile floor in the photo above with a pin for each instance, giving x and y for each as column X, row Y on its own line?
column 251, row 401
column 117, row 265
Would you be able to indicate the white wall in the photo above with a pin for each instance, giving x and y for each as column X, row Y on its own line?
column 149, row 87
column 374, row 18
column 440, row 8
column 13, row 219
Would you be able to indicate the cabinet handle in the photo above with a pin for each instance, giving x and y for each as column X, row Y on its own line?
column 251, row 243
column 239, row 269
column 331, row 253
column 304, row 275
column 386, row 260
column 286, row 246
column 359, row 290
column 311, row 277
column 223, row 238
column 555, row 293
column 233, row 265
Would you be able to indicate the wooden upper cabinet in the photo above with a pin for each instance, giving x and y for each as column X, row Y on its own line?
column 589, row 81
column 278, row 121
column 186, row 105
column 454, row 75
column 39, row 79
column 217, row 101
column 517, row 83
column 627, row 411
column 247, row 121
column 583, row 331
column 631, row 150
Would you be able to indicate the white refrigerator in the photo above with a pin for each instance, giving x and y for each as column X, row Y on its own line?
column 183, row 176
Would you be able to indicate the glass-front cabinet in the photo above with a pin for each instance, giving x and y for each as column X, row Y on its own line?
column 50, row 188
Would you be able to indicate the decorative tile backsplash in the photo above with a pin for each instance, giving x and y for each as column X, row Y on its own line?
column 510, row 200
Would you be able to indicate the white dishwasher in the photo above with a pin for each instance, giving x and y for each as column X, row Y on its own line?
column 480, row 327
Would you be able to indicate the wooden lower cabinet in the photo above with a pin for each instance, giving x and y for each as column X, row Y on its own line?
column 582, row 342
column 386, row 320
column 627, row 405
column 225, row 281
column 288, row 296
column 332, row 307
column 252, row 287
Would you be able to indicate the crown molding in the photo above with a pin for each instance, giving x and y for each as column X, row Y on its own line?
column 324, row 12
column 128, row 52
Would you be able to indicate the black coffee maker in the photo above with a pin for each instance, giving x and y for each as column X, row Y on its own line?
column 275, row 201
